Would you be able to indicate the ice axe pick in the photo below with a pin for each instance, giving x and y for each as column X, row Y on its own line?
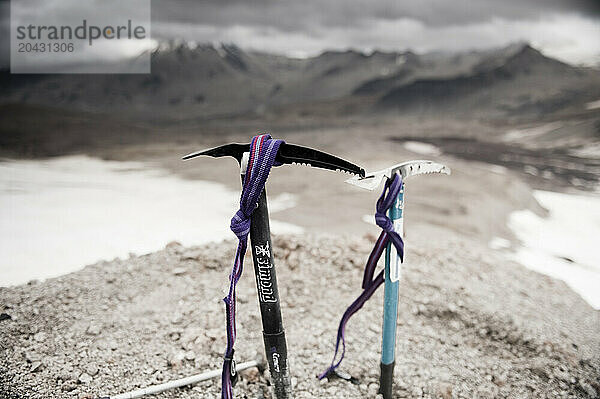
column 392, row 261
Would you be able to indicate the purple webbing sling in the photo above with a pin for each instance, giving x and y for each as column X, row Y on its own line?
column 263, row 151
column 370, row 285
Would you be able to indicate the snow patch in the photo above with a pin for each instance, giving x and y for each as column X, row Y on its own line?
column 498, row 169
column 563, row 245
column 282, row 202
column 520, row 134
column 58, row 215
column 370, row 219
column 591, row 150
column 592, row 105
column 422, row 148
column 499, row 243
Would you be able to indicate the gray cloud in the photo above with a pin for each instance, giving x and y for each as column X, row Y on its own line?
column 563, row 28
column 302, row 15
column 310, row 26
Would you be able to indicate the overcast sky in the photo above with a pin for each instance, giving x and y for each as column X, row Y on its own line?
column 567, row 29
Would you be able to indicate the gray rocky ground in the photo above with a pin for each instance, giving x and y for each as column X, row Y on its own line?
column 471, row 324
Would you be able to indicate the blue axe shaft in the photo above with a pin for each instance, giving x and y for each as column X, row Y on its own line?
column 390, row 301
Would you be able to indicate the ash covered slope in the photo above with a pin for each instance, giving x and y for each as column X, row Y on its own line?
column 469, row 324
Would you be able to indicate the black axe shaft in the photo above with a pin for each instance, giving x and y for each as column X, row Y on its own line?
column 268, row 299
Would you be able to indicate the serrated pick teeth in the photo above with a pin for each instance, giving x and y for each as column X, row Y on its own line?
column 308, row 164
column 406, row 169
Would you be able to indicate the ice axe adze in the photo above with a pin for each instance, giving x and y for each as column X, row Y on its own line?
column 392, row 261
column 262, row 254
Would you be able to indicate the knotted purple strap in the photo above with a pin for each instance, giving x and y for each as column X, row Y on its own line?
column 263, row 151
column 370, row 285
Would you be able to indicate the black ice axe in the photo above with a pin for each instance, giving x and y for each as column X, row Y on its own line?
column 262, row 254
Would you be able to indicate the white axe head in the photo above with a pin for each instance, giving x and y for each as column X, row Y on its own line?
column 372, row 180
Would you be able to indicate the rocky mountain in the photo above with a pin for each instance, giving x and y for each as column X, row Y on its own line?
column 202, row 81
column 206, row 81
column 518, row 80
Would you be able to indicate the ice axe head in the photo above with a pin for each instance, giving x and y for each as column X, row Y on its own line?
column 371, row 181
column 287, row 154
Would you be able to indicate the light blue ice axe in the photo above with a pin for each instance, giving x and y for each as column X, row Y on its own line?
column 392, row 261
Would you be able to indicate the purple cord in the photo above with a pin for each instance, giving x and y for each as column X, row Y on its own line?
column 370, row 285
column 263, row 151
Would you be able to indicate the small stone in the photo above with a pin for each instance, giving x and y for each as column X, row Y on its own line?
column 499, row 380
column 40, row 337
column 36, row 366
column 445, row 390
column 85, row 378
column 212, row 334
column 190, row 355
column 455, row 324
column 372, row 389
column 158, row 376
column 191, row 254
column 173, row 245
column 513, row 338
column 175, row 360
column 32, row 357
column 212, row 265
column 94, row 329
column 68, row 386
column 251, row 375
column 540, row 371
column 5, row 316
column 64, row 375
column 91, row 369
column 112, row 345
column 562, row 375
column 178, row 271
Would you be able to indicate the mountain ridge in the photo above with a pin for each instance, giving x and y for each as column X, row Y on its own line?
column 207, row 80
column 510, row 83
